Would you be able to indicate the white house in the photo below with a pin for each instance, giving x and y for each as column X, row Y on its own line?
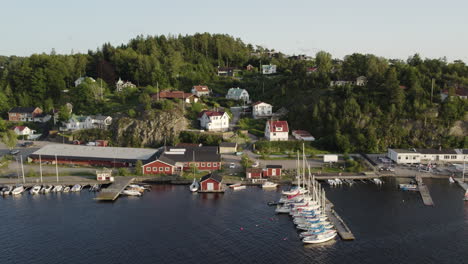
column 23, row 131
column 268, row 69
column 360, row 81
column 121, row 85
column 86, row 122
column 200, row 90
column 238, row 94
column 261, row 109
column 214, row 121
column 276, row 130
column 82, row 79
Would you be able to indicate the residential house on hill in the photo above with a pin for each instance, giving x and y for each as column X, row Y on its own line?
column 28, row 114
column 268, row 69
column 461, row 93
column 214, row 120
column 175, row 160
column 82, row 79
column 310, row 70
column 200, row 90
column 262, row 110
column 360, row 81
column 86, row 122
column 186, row 97
column 23, row 131
column 227, row 71
column 121, row 85
column 276, row 130
column 238, row 94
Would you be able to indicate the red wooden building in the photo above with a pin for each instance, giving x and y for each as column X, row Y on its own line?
column 254, row 173
column 26, row 114
column 211, row 183
column 272, row 171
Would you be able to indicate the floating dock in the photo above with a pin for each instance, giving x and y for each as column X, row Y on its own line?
column 340, row 226
column 112, row 192
column 424, row 191
column 462, row 184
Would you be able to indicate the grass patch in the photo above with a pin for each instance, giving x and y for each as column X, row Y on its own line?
column 254, row 126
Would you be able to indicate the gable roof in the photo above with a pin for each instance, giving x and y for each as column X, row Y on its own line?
column 236, row 91
column 458, row 92
column 228, row 144
column 254, row 170
column 259, row 102
column 20, row 128
column 274, row 125
column 213, row 176
column 437, row 151
column 274, row 166
column 22, row 110
column 211, row 113
column 201, row 88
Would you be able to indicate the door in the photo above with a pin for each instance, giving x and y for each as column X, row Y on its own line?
column 273, row 172
column 210, row 186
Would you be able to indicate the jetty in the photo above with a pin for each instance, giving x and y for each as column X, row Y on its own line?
column 340, row 226
column 424, row 191
column 112, row 192
column 462, row 184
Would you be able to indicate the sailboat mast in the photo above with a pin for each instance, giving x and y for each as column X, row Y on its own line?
column 22, row 168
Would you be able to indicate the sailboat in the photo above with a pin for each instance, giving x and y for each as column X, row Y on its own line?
column 451, row 180
column 194, row 186
column 35, row 190
column 18, row 190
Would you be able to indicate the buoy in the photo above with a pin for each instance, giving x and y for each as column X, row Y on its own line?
column 241, row 228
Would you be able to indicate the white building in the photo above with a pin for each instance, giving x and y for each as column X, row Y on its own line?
column 86, row 122
column 269, row 69
column 238, row 94
column 23, row 131
column 200, row 90
column 214, row 121
column 276, row 130
column 360, row 81
column 82, row 79
column 404, row 156
column 426, row 156
column 121, row 85
column 261, row 110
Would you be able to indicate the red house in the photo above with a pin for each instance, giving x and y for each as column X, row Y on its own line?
column 24, row 113
column 254, row 173
column 272, row 171
column 211, row 183
column 175, row 160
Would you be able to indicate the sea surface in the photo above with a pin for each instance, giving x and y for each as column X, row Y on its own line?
column 172, row 225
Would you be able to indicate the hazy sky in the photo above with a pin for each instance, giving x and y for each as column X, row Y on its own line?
column 394, row 29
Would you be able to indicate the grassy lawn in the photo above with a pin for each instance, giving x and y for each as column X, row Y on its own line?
column 254, row 126
column 197, row 175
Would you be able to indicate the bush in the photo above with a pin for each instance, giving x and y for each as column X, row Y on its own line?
column 123, row 172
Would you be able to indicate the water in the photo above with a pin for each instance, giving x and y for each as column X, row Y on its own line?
column 171, row 225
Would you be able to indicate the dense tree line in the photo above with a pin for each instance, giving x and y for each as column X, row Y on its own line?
column 399, row 106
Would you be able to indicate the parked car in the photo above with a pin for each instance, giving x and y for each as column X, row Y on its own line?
column 256, row 164
column 14, row 152
column 232, row 166
column 239, row 153
column 27, row 144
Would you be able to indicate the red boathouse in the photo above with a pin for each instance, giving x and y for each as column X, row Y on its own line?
column 211, row 183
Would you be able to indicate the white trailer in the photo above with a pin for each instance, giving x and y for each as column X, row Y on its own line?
column 330, row 158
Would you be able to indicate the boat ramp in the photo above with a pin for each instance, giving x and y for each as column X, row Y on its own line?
column 112, row 192
column 424, row 191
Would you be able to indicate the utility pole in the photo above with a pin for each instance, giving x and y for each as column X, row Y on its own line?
column 22, row 169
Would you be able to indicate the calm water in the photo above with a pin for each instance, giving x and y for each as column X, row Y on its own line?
column 171, row 225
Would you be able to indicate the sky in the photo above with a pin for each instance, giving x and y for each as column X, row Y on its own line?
column 392, row 29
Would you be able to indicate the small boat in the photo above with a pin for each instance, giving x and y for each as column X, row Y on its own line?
column 272, row 203
column 319, row 238
column 269, row 185
column 47, row 188
column 451, row 180
column 240, row 187
column 136, row 187
column 331, row 182
column 35, row 190
column 66, row 189
column 57, row 188
column 194, row 186
column 76, row 188
column 7, row 190
column 409, row 187
column 131, row 192
column 235, row 185
column 338, row 181
column 94, row 188
column 377, row 181
column 18, row 190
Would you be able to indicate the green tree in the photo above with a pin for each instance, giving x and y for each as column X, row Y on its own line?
column 10, row 139
column 139, row 167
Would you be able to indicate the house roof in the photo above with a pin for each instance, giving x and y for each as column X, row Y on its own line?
column 259, row 102
column 99, row 117
column 201, row 88
column 274, row 125
column 175, row 94
column 254, row 170
column 311, row 69
column 22, row 110
column 214, row 176
column 189, row 145
column 274, row 166
column 302, row 133
column 20, row 128
column 404, row 151
column 228, row 144
column 235, row 91
column 458, row 92
column 436, row 151
column 172, row 155
column 211, row 113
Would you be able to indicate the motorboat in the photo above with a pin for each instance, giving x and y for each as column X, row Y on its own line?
column 451, row 180
column 35, row 190
column 136, row 187
column 235, row 185
column 239, row 187
column 131, row 192
column 7, row 190
column 323, row 231
column 377, row 181
column 331, row 182
column 194, row 186
column 76, row 188
column 18, row 190
column 95, row 188
column 283, row 209
column 57, row 188
column 66, row 189
column 408, row 187
column 319, row 238
column 338, row 181
column 269, row 185
column 47, row 188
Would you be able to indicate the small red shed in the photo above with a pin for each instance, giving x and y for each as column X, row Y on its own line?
column 253, row 173
column 211, row 183
column 272, row 171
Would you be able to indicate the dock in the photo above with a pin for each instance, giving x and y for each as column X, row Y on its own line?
column 424, row 191
column 340, row 226
column 112, row 192
column 462, row 184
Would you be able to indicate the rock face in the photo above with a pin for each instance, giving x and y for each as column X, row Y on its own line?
column 152, row 129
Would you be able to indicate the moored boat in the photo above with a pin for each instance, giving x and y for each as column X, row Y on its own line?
column 269, row 185
column 194, row 186
column 319, row 238
column 66, row 189
column 76, row 188
column 57, row 188
column 7, row 190
column 239, row 187
column 377, row 181
column 131, row 192
column 409, row 187
column 47, row 188
column 35, row 190
column 18, row 190
column 451, row 180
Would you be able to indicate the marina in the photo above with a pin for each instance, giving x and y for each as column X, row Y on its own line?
column 112, row 192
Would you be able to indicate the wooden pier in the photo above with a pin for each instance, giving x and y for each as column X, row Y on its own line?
column 340, row 226
column 115, row 189
column 462, row 184
column 424, row 191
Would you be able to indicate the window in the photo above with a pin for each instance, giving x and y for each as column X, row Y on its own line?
column 446, row 157
column 148, row 168
column 208, row 164
column 454, row 157
column 167, row 169
column 197, row 164
column 161, row 168
column 155, row 169
column 215, row 164
column 406, row 157
column 203, row 164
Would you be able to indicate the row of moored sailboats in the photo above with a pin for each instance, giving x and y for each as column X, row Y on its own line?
column 350, row 182
column 43, row 189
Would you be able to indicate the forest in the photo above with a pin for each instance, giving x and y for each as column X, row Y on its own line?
column 399, row 106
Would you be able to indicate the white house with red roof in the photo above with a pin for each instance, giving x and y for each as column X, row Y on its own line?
column 214, row 120
column 23, row 131
column 261, row 110
column 200, row 90
column 276, row 130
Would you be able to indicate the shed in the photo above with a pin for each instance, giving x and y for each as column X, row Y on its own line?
column 227, row 147
column 253, row 173
column 211, row 183
column 272, row 171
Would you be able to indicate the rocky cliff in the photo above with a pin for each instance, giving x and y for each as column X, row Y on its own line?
column 152, row 129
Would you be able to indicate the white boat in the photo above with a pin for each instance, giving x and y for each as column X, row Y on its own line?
column 269, row 185
column 18, row 190
column 136, row 187
column 451, row 180
column 94, row 188
column 235, row 185
column 131, row 192
column 66, row 189
column 194, row 186
column 377, row 181
column 57, row 188
column 76, row 188
column 35, row 190
column 338, row 181
column 409, row 187
column 239, row 187
column 316, row 232
column 47, row 188
column 7, row 190
column 320, row 238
